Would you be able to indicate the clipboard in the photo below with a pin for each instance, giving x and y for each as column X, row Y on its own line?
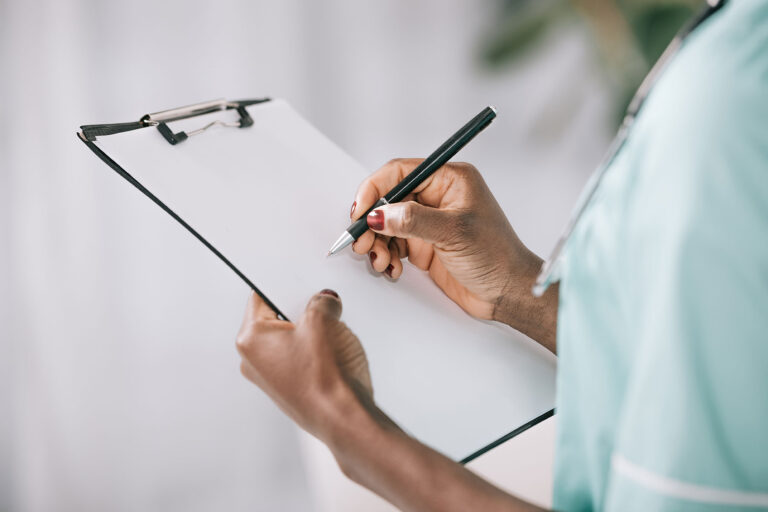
column 460, row 385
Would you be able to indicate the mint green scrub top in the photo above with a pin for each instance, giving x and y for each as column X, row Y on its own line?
column 663, row 316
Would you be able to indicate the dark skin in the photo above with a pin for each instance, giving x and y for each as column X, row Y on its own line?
column 316, row 370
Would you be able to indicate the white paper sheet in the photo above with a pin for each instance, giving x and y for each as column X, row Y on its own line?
column 272, row 198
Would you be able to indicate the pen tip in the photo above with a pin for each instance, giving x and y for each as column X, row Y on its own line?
column 328, row 254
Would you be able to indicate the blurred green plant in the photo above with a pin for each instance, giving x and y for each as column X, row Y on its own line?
column 628, row 35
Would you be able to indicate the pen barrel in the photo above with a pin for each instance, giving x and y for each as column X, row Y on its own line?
column 441, row 155
column 360, row 226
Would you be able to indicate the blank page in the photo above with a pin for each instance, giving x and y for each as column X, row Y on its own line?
column 272, row 198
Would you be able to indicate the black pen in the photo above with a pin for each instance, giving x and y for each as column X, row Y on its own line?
column 424, row 170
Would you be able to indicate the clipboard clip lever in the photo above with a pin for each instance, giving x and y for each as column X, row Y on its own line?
column 161, row 119
column 90, row 132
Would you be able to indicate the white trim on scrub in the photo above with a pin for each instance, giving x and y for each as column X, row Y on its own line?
column 683, row 490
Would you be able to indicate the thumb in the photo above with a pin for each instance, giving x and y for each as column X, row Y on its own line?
column 324, row 305
column 412, row 220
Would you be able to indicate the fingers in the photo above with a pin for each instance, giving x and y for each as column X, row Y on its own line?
column 249, row 372
column 364, row 243
column 382, row 181
column 258, row 309
column 413, row 220
column 259, row 320
column 395, row 268
column 420, row 253
column 385, row 256
column 379, row 254
column 325, row 304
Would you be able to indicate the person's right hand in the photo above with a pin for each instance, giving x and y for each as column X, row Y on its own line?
column 452, row 227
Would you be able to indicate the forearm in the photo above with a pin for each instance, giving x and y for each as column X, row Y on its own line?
column 535, row 317
column 374, row 452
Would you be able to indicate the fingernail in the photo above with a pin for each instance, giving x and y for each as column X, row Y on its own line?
column 372, row 256
column 375, row 220
column 352, row 210
column 389, row 270
column 329, row 292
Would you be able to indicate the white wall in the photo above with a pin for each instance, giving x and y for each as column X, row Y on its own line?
column 119, row 386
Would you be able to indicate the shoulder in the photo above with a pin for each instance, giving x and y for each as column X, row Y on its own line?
column 699, row 148
column 715, row 90
column 696, row 174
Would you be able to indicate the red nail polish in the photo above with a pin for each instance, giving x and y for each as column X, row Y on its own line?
column 375, row 220
column 329, row 292
column 389, row 270
column 372, row 256
column 352, row 210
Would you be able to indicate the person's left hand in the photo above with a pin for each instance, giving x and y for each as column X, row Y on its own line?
column 311, row 369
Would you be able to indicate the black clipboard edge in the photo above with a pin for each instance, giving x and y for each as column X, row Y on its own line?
column 519, row 430
column 92, row 131
column 133, row 181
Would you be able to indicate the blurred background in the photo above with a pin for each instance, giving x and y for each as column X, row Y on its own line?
column 119, row 382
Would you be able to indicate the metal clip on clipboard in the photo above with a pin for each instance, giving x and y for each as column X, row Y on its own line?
column 161, row 119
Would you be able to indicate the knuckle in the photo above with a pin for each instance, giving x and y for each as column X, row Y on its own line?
column 466, row 170
column 321, row 315
column 243, row 340
column 365, row 186
column 400, row 166
column 408, row 219
column 315, row 316
column 362, row 247
column 248, row 336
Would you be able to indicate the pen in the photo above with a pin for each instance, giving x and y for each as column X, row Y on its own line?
column 423, row 171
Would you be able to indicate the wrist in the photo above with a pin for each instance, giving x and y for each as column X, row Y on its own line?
column 356, row 426
column 519, row 308
column 516, row 294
